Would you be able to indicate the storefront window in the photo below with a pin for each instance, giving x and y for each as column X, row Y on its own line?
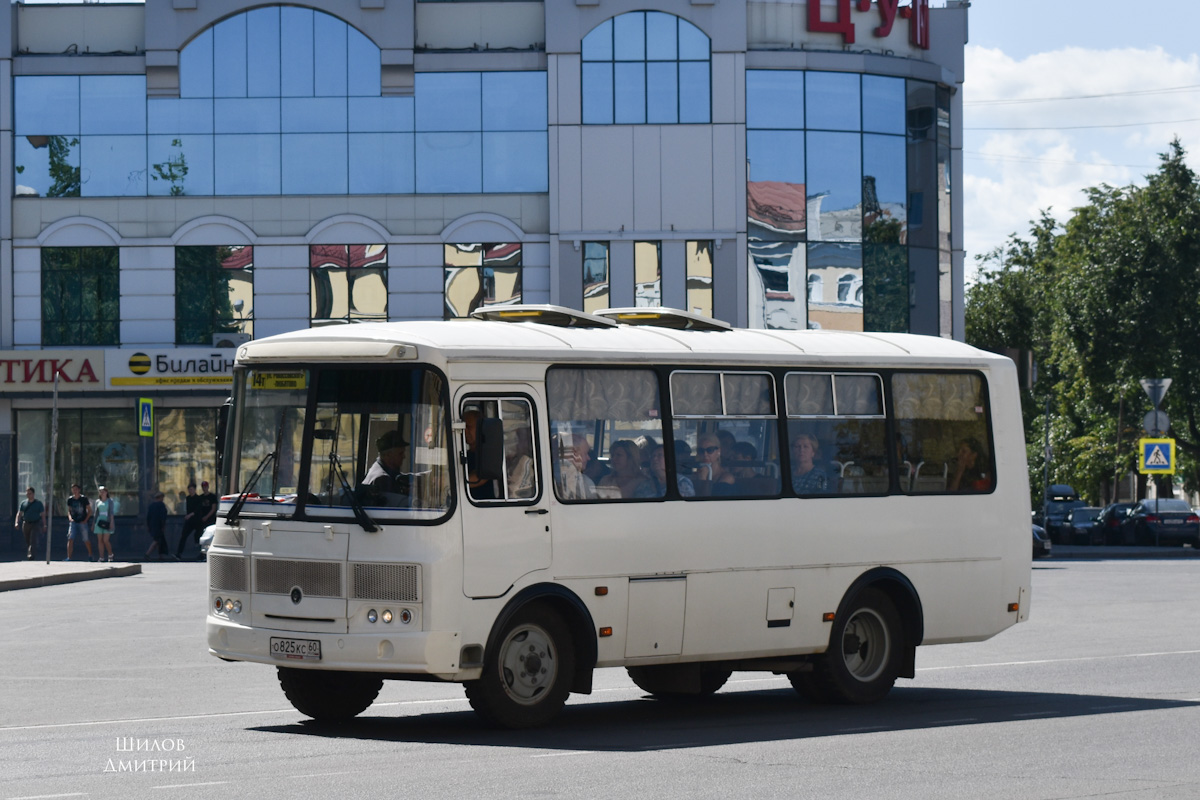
column 348, row 283
column 186, row 451
column 214, row 295
column 81, row 296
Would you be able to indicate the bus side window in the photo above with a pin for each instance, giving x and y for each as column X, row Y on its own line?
column 501, row 461
column 840, row 418
column 943, row 432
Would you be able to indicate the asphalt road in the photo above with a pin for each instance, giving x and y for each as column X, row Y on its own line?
column 1098, row 694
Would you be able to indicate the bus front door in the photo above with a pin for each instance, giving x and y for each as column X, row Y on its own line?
column 504, row 506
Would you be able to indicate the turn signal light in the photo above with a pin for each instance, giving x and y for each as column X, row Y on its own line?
column 601, row 591
column 606, row 631
column 1014, row 606
column 828, row 616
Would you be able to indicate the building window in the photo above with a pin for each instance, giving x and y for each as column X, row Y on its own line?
column 646, row 67
column 700, row 277
column 214, row 295
column 595, row 276
column 348, row 283
column 647, row 274
column 478, row 275
column 81, row 296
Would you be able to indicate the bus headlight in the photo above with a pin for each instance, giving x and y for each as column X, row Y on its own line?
column 237, row 606
column 228, row 605
column 387, row 615
column 372, row 616
column 217, row 604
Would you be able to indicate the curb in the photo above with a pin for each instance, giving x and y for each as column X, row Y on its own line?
column 60, row 578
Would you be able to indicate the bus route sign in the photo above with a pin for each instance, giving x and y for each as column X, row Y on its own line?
column 1156, row 456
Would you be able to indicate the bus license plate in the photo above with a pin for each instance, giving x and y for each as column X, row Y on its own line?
column 296, row 649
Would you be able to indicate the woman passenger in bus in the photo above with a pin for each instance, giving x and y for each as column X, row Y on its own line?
column 708, row 453
column 520, row 464
column 968, row 471
column 656, row 485
column 625, row 463
column 807, row 476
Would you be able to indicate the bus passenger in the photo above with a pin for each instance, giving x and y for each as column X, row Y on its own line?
column 656, row 486
column 385, row 477
column 479, row 488
column 625, row 461
column 520, row 464
column 708, row 452
column 572, row 455
column 743, row 455
column 807, row 476
column 968, row 473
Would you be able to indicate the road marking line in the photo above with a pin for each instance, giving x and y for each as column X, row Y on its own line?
column 189, row 785
column 568, row 753
column 1060, row 660
column 954, row 721
column 323, row 774
column 1040, row 714
column 48, row 796
column 865, row 729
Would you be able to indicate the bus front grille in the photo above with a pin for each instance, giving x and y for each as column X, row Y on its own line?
column 227, row 573
column 314, row 578
column 397, row 582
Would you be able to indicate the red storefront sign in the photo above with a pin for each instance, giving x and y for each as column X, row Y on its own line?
column 29, row 371
column 917, row 15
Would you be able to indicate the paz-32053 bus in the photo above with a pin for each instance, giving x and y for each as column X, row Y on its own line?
column 511, row 501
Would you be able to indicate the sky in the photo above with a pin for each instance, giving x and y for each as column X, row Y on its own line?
column 1062, row 69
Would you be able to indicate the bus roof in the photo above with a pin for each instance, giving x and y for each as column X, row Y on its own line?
column 479, row 340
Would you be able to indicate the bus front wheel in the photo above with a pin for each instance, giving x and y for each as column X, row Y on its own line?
column 329, row 696
column 527, row 677
column 863, row 659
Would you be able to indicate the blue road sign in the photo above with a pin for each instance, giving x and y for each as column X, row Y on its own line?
column 145, row 416
column 1156, row 456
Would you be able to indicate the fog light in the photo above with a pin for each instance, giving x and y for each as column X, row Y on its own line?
column 217, row 604
column 405, row 616
column 372, row 616
column 387, row 615
column 228, row 604
column 237, row 606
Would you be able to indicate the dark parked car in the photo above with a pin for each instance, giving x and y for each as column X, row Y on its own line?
column 1041, row 545
column 1060, row 499
column 1112, row 522
column 1080, row 526
column 1168, row 521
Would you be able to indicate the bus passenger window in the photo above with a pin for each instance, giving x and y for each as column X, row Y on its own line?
column 605, row 425
column 837, row 433
column 942, row 431
column 504, row 469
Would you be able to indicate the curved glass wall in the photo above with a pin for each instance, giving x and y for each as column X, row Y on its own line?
column 646, row 67
column 280, row 100
column 848, row 200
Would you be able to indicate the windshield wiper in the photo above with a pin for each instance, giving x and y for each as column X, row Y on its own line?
column 236, row 508
column 360, row 512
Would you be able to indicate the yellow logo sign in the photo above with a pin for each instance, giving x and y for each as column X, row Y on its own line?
column 139, row 363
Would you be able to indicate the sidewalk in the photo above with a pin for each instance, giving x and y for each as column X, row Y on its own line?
column 1104, row 553
column 28, row 574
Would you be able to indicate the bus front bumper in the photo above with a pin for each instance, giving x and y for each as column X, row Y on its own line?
column 433, row 653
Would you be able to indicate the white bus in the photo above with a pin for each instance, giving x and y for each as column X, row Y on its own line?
column 511, row 501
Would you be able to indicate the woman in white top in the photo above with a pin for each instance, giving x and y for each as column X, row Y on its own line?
column 104, row 516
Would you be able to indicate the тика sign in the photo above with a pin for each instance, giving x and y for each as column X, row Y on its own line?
column 34, row 370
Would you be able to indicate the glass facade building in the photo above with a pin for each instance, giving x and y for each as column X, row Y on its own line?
column 185, row 177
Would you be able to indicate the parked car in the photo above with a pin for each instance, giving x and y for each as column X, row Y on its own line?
column 1080, row 526
column 1060, row 499
column 1041, row 544
column 1168, row 521
column 1112, row 522
column 206, row 541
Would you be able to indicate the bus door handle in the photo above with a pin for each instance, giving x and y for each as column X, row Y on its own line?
column 537, row 511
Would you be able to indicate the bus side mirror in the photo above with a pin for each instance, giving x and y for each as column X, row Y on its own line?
column 489, row 448
column 222, row 425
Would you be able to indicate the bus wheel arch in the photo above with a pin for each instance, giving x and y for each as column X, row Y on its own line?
column 907, row 602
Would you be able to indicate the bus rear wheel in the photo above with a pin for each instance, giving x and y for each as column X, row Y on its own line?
column 863, row 659
column 327, row 696
column 527, row 676
column 671, row 681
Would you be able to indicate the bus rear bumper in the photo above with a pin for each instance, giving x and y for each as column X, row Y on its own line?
column 433, row 653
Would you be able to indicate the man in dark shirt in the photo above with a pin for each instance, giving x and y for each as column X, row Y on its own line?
column 193, row 525
column 156, row 521
column 79, row 509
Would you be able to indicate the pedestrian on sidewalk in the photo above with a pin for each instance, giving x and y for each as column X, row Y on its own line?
column 192, row 526
column 105, row 517
column 156, row 521
column 79, row 511
column 29, row 520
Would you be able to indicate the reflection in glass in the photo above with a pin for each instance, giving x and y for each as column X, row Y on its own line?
column 46, row 104
column 481, row 274
column 514, row 101
column 449, row 162
column 922, row 165
column 776, row 156
column 630, row 81
column 196, row 67
column 180, row 165
column 629, row 36
column 297, row 58
column 171, row 115
column 885, row 284
column 597, row 94
column 184, row 441
column 229, row 63
column 214, row 294
column 314, row 163
column 834, row 186
column 246, row 115
column 699, row 255
column 348, row 283
column 839, row 266
column 81, row 296
column 381, row 114
column 777, row 283
column 329, row 51
column 381, row 163
column 883, row 104
column 595, row 276
column 246, row 164
column 831, row 101
column 262, row 52
column 661, row 38
column 647, row 274
column 695, row 95
column 313, row 114
column 115, row 166
column 47, row 166
column 362, row 65
column 774, row 98
column 113, row 104
column 662, row 93
column 449, row 101
column 884, row 189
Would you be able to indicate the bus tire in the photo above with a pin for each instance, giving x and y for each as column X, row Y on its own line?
column 327, row 696
column 527, row 676
column 863, row 659
column 665, row 681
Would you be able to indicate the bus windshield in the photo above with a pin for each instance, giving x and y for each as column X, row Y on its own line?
column 322, row 442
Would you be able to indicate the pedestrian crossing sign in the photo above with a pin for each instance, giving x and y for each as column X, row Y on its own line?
column 145, row 416
column 1156, row 456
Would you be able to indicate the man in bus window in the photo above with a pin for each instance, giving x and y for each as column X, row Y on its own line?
column 570, row 463
column 480, row 488
column 385, row 476
column 968, row 471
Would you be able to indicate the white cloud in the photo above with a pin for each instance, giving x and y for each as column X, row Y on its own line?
column 1010, row 176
